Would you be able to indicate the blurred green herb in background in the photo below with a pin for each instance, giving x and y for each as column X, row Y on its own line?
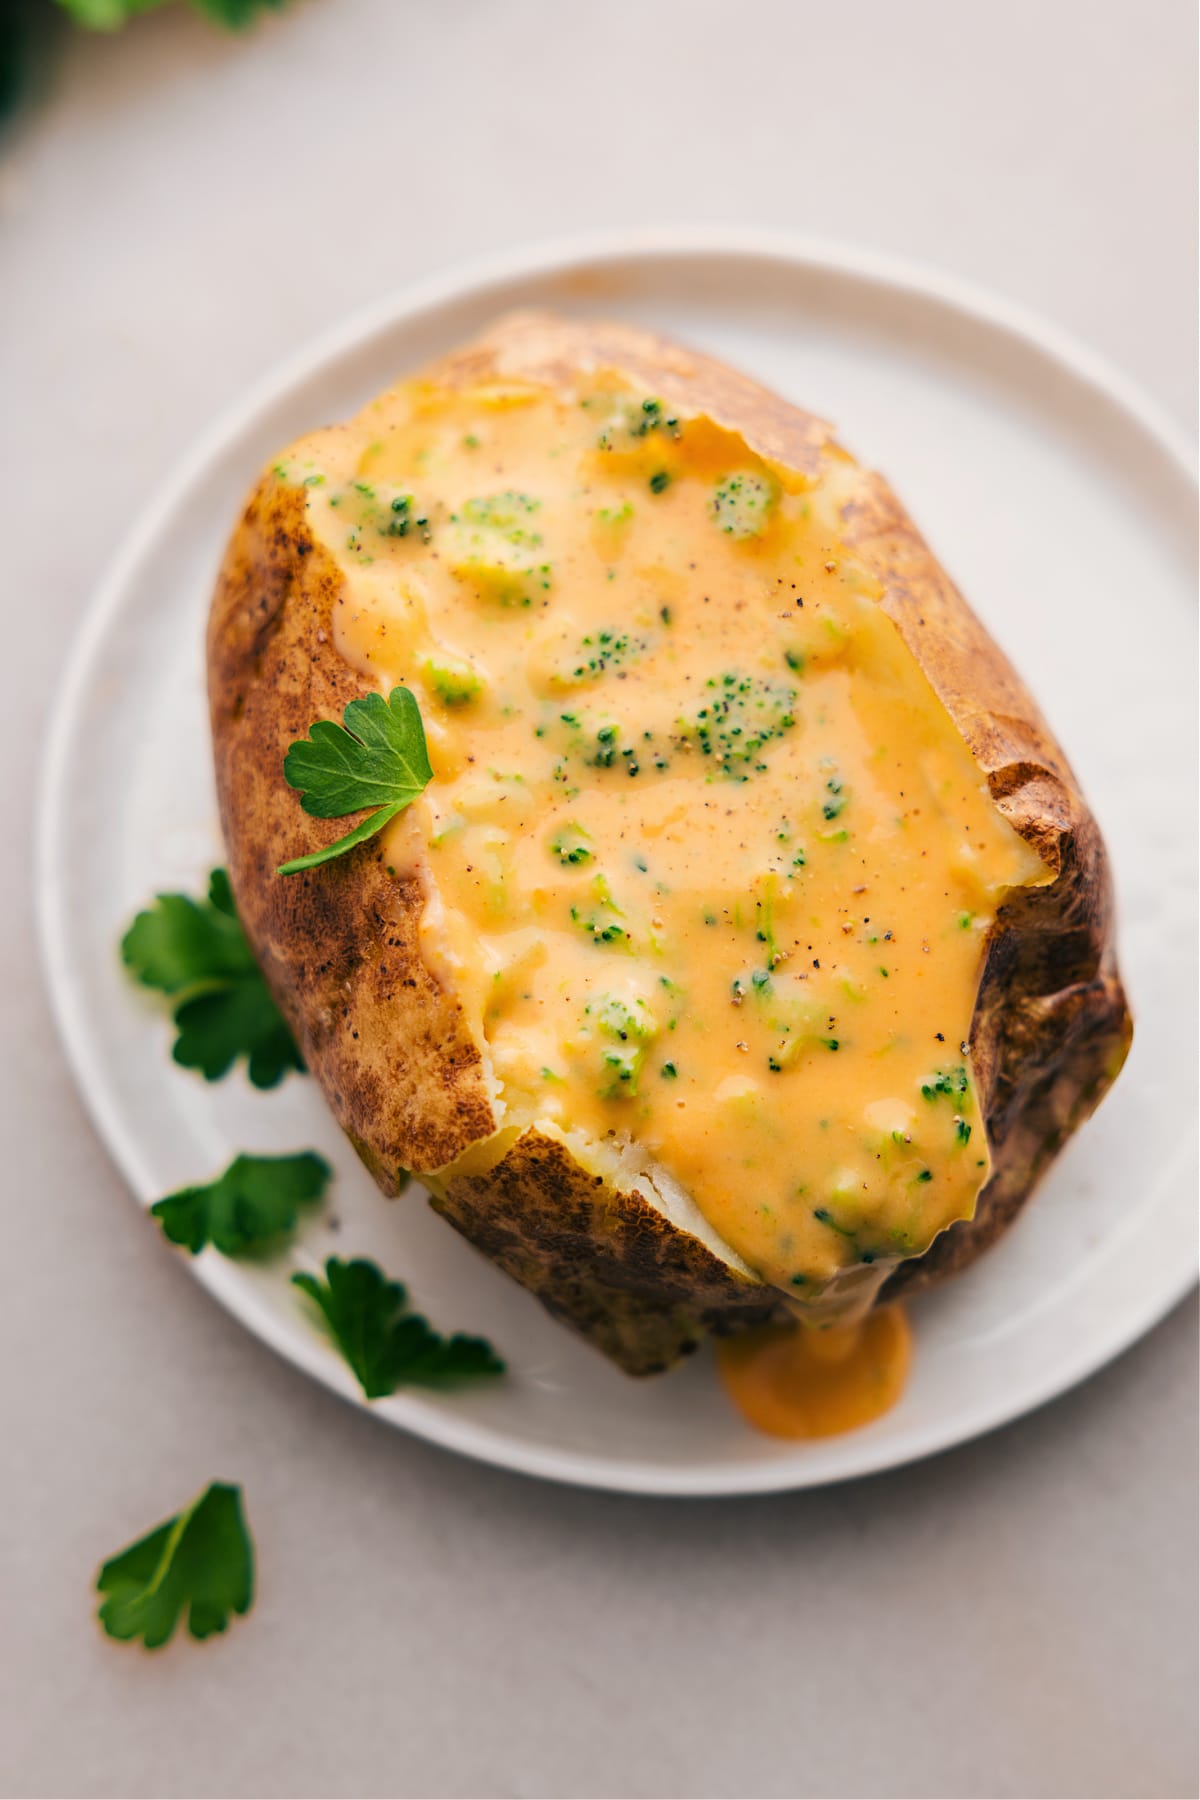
column 27, row 32
column 110, row 15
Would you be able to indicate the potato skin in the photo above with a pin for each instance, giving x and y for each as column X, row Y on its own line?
column 389, row 1045
column 607, row 1263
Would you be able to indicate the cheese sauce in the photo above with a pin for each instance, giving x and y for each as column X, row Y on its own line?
column 707, row 863
column 799, row 1381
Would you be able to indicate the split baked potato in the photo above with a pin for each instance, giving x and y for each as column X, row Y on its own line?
column 751, row 949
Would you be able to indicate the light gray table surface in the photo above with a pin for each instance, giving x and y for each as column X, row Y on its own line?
column 177, row 212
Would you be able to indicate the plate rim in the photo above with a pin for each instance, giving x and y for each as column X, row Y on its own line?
column 546, row 258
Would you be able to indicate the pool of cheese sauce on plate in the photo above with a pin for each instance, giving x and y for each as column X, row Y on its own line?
column 707, row 863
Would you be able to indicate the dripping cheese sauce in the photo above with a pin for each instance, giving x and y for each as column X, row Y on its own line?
column 707, row 864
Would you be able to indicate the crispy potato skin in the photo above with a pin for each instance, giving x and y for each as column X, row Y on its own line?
column 605, row 1262
column 389, row 1046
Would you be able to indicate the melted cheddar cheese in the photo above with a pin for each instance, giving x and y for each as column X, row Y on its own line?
column 707, row 863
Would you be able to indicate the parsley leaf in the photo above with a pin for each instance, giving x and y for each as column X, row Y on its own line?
column 182, row 941
column 250, row 1208
column 386, row 1345
column 196, row 949
column 376, row 757
column 203, row 1559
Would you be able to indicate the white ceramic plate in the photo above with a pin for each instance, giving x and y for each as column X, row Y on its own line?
column 1064, row 506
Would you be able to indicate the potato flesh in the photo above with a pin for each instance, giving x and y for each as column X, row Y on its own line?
column 636, row 644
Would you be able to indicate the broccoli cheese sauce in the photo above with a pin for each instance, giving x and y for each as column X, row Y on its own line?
column 706, row 861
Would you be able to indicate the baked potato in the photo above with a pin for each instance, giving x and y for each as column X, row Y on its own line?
column 750, row 952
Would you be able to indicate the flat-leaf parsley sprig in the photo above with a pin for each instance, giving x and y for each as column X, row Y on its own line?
column 201, row 1559
column 248, row 1210
column 386, row 1345
column 196, row 951
column 375, row 758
